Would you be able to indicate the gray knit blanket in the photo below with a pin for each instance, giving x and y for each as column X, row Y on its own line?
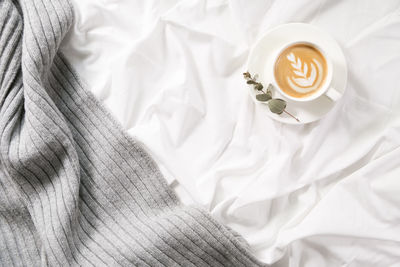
column 74, row 188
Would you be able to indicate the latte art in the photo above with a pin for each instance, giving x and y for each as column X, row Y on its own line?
column 306, row 80
column 300, row 70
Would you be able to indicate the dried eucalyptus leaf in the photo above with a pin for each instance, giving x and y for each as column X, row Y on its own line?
column 277, row 105
column 258, row 86
column 247, row 75
column 268, row 92
column 263, row 97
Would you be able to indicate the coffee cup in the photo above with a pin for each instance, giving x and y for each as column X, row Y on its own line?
column 302, row 71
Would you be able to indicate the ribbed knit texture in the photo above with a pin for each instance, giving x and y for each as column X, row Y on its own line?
column 74, row 188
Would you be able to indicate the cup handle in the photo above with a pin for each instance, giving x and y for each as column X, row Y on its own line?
column 333, row 94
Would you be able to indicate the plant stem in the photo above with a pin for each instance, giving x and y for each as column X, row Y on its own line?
column 291, row 115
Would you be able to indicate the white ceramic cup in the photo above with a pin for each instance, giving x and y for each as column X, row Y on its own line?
column 326, row 89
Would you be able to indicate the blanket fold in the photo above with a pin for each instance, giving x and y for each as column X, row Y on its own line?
column 74, row 188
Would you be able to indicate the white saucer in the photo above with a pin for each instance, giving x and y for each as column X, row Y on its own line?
column 260, row 63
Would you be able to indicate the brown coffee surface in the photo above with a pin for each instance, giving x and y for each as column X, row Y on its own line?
column 300, row 70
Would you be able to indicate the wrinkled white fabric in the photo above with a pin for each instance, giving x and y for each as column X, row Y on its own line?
column 322, row 194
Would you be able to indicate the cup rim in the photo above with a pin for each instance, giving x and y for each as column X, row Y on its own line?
column 328, row 78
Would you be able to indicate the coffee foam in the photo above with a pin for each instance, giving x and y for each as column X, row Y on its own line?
column 300, row 70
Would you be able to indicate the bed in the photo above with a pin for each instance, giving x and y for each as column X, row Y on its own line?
column 320, row 194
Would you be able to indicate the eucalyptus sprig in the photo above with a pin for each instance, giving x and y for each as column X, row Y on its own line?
column 276, row 105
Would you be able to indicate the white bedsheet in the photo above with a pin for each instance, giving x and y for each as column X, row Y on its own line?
column 323, row 194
